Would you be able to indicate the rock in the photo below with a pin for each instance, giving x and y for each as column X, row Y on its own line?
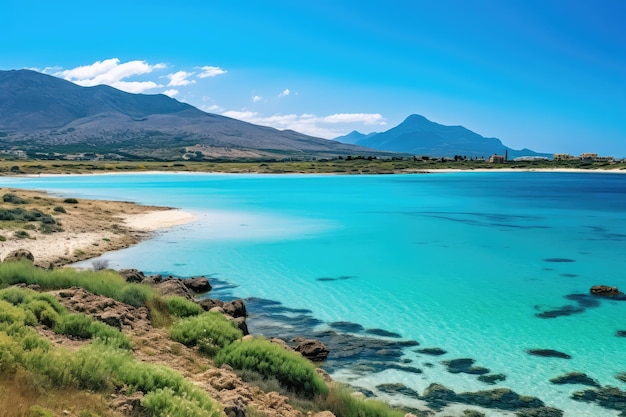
column 540, row 412
column 621, row 376
column 198, row 284
column 575, row 378
column 241, row 323
column 236, row 408
column 492, row 378
column 322, row 373
column 153, row 279
column 208, row 303
column 472, row 413
column 548, row 353
column 312, row 349
column 501, row 398
column 282, row 343
column 132, row 275
column 235, row 308
column 170, row 287
column 438, row 396
column 432, row 351
column 620, row 333
column 465, row 366
column 608, row 397
column 605, row 290
column 19, row 255
column 217, row 310
column 397, row 388
column 127, row 405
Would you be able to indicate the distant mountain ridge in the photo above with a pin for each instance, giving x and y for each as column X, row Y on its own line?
column 419, row 136
column 39, row 112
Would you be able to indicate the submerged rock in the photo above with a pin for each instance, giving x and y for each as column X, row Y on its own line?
column 608, row 397
column 575, row 378
column 492, row 378
column 501, row 398
column 540, row 412
column 397, row 388
column 464, row 365
column 432, row 351
column 548, row 353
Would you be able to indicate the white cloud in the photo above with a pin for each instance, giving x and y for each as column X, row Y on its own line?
column 210, row 71
column 256, row 99
column 310, row 124
column 213, row 108
column 112, row 72
column 284, row 93
column 366, row 118
column 180, row 78
column 171, row 92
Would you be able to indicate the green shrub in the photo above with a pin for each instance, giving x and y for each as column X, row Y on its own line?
column 36, row 411
column 59, row 209
column 10, row 314
column 164, row 402
column 109, row 335
column 208, row 329
column 44, row 312
column 21, row 234
column 10, row 353
column 75, row 325
column 70, row 201
column 342, row 403
column 13, row 199
column 181, row 307
column 271, row 360
column 135, row 295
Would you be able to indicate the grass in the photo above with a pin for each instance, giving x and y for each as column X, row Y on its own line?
column 209, row 331
column 181, row 307
column 271, row 360
column 106, row 283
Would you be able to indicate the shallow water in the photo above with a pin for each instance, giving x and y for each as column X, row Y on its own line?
column 482, row 265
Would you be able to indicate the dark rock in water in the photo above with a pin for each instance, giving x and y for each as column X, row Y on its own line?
column 575, row 378
column 438, row 396
column 548, row 353
column 492, row 378
column 621, row 377
column 235, row 308
column 198, row 284
column 346, row 326
column 364, row 391
column 312, row 349
column 620, row 333
column 569, row 275
column 584, row 300
column 19, row 255
column 208, row 303
column 560, row 312
column 608, row 397
column 472, row 413
column 540, row 412
column 432, row 351
column 383, row 333
column 372, row 367
column 397, row 388
column 465, row 366
column 175, row 287
column 558, row 260
column 500, row 398
column 605, row 291
column 132, row 275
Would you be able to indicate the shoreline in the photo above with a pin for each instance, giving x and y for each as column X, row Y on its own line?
column 85, row 229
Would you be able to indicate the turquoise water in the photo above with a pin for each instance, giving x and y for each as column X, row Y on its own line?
column 478, row 264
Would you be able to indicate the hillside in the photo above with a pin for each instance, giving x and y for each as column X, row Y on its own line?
column 41, row 113
column 419, row 136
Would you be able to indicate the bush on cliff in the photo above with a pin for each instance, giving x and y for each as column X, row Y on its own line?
column 209, row 331
column 292, row 370
column 181, row 307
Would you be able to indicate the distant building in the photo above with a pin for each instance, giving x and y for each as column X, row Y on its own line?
column 531, row 158
column 497, row 159
column 589, row 156
column 564, row 157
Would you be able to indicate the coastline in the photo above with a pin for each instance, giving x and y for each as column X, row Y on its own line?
column 87, row 228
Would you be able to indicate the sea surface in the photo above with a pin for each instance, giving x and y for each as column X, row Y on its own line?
column 481, row 265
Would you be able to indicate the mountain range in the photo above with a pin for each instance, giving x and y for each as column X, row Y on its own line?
column 42, row 113
column 417, row 135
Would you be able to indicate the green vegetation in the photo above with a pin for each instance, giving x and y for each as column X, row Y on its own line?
column 342, row 403
column 209, row 331
column 348, row 165
column 106, row 283
column 181, row 307
column 271, row 360
column 59, row 209
column 13, row 199
column 70, row 201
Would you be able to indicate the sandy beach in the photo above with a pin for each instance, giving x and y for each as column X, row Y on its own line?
column 88, row 228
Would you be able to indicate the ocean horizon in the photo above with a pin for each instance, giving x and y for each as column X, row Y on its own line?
column 485, row 267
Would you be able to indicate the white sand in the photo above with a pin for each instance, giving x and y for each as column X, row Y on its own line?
column 155, row 220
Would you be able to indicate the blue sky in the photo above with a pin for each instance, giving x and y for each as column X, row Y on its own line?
column 549, row 75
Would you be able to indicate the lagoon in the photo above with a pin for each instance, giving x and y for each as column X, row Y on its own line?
column 482, row 265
